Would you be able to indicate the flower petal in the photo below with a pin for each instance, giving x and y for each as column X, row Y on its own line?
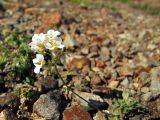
column 39, row 56
column 56, row 33
column 37, row 69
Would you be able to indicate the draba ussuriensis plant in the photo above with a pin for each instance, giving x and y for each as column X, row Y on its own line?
column 49, row 52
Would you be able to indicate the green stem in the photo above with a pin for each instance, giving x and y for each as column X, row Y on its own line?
column 72, row 90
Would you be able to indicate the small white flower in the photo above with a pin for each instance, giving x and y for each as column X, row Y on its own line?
column 38, row 62
column 52, row 45
column 38, row 41
column 53, row 41
column 51, row 34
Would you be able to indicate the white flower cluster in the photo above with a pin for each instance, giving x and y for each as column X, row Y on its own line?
column 42, row 42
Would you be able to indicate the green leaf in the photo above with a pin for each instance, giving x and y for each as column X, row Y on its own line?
column 125, row 95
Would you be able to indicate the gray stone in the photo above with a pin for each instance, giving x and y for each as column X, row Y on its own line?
column 147, row 96
column 155, row 85
column 150, row 96
column 95, row 101
column 125, row 82
column 47, row 105
column 155, row 79
column 144, row 89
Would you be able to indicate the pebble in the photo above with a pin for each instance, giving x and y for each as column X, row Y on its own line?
column 99, row 116
column 146, row 97
column 48, row 105
column 144, row 89
column 113, row 84
column 85, row 50
column 104, row 54
column 95, row 101
column 96, row 80
column 125, row 82
column 76, row 113
column 69, row 42
column 155, row 79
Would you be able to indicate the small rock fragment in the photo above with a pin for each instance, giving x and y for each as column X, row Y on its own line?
column 125, row 82
column 95, row 101
column 69, row 42
column 76, row 113
column 99, row 116
column 144, row 89
column 47, row 105
column 105, row 53
column 113, row 84
column 125, row 71
column 96, row 80
column 76, row 62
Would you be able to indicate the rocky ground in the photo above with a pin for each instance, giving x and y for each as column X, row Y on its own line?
column 111, row 46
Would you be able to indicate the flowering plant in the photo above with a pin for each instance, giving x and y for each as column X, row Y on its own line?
column 49, row 49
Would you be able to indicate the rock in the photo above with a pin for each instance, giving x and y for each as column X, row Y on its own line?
column 7, row 114
column 144, row 89
column 69, row 42
column 96, row 80
column 76, row 62
column 11, row 6
column 155, row 79
column 104, row 54
column 113, row 84
column 99, row 116
column 81, row 83
column 85, row 69
column 150, row 96
column 125, row 71
column 158, row 104
column 51, row 18
column 100, row 63
column 48, row 20
column 9, row 100
column 143, row 76
column 76, row 113
column 47, row 106
column 95, row 101
column 85, row 50
column 146, row 97
column 125, row 82
column 155, row 74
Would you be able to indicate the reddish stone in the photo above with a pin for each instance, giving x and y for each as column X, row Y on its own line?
column 96, row 80
column 124, row 71
column 100, row 63
column 76, row 113
column 51, row 18
column 77, row 63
